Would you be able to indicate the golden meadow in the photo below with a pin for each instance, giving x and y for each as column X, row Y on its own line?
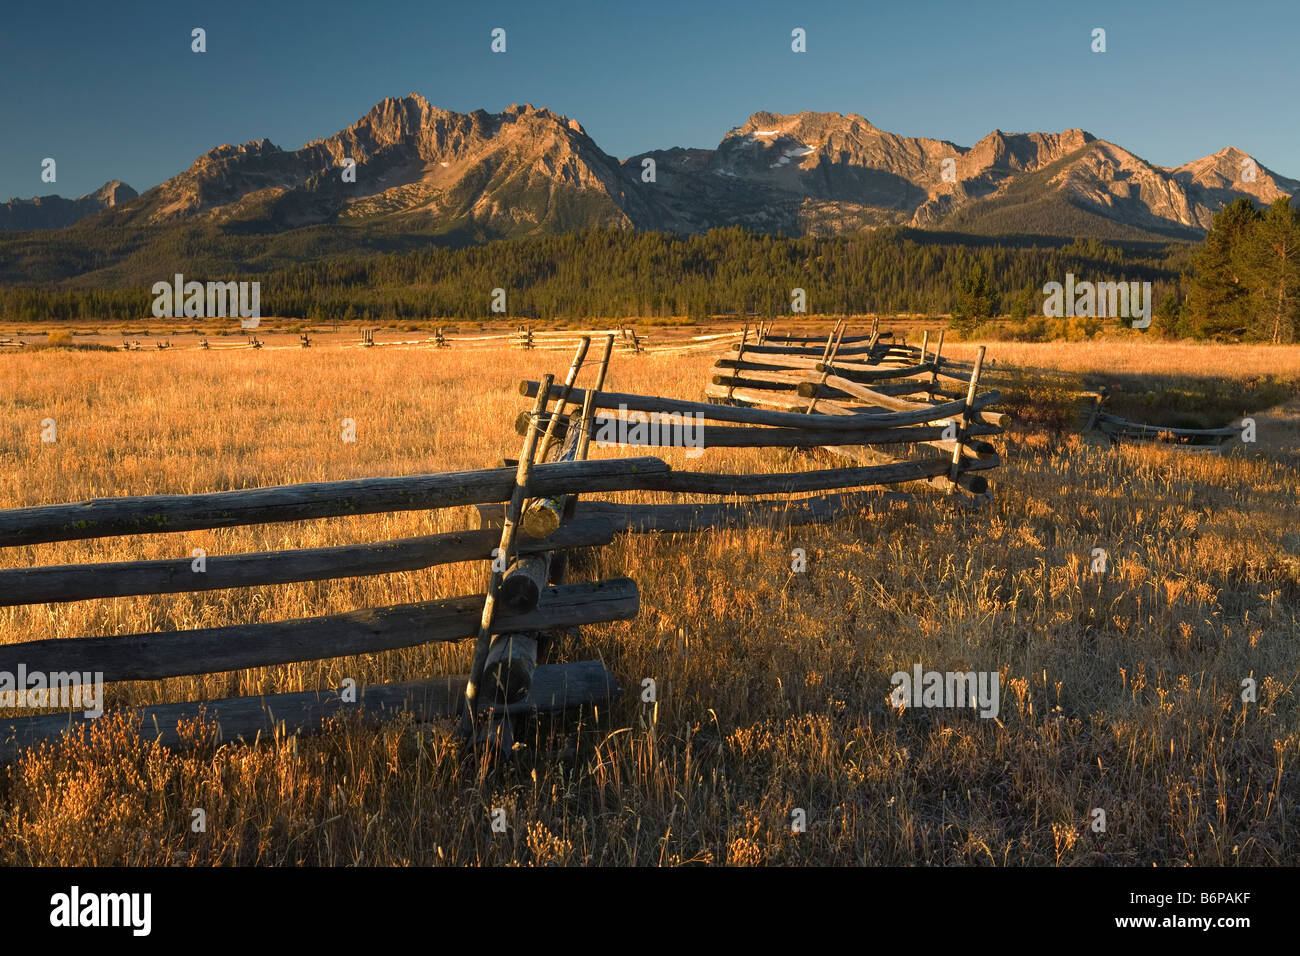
column 1120, row 692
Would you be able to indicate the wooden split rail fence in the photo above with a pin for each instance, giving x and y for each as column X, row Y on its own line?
column 250, row 342
column 532, row 514
column 154, row 656
column 872, row 376
column 627, row 341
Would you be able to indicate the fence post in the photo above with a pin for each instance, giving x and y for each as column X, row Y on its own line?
column 561, row 562
column 934, row 373
column 589, row 406
column 965, row 420
column 740, row 355
column 826, row 352
column 583, row 344
column 512, row 658
column 535, row 523
column 484, row 639
column 828, row 356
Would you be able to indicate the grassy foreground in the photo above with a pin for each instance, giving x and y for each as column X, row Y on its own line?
column 1120, row 692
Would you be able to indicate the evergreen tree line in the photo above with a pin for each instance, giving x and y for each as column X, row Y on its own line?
column 612, row 273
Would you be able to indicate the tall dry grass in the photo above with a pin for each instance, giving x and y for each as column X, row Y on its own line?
column 1120, row 692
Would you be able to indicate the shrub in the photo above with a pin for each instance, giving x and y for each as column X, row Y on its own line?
column 1033, row 329
column 1082, row 327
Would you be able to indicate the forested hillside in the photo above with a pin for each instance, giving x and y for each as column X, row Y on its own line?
column 618, row 274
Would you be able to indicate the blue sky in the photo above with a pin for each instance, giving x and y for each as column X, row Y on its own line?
column 113, row 91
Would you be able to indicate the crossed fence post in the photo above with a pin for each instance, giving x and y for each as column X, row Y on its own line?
column 964, row 419
column 523, row 473
column 828, row 356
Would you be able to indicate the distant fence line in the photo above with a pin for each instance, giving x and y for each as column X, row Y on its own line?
column 627, row 340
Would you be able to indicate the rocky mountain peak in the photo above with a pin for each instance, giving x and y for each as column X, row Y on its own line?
column 112, row 193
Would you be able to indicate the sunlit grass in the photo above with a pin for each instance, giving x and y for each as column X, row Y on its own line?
column 1121, row 692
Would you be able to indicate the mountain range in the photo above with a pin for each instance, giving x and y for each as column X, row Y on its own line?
column 55, row 212
column 470, row 177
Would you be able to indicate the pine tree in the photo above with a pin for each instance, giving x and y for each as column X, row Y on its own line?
column 1272, row 260
column 1220, row 296
column 1025, row 303
column 976, row 299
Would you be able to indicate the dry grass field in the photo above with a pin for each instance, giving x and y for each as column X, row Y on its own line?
column 1120, row 692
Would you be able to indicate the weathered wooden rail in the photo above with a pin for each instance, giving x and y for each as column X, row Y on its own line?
column 1117, row 430
column 554, row 687
column 250, row 342
column 81, row 582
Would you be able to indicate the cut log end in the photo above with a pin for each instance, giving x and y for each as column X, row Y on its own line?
column 520, row 594
column 524, row 420
column 524, row 581
column 542, row 519
column 508, row 673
